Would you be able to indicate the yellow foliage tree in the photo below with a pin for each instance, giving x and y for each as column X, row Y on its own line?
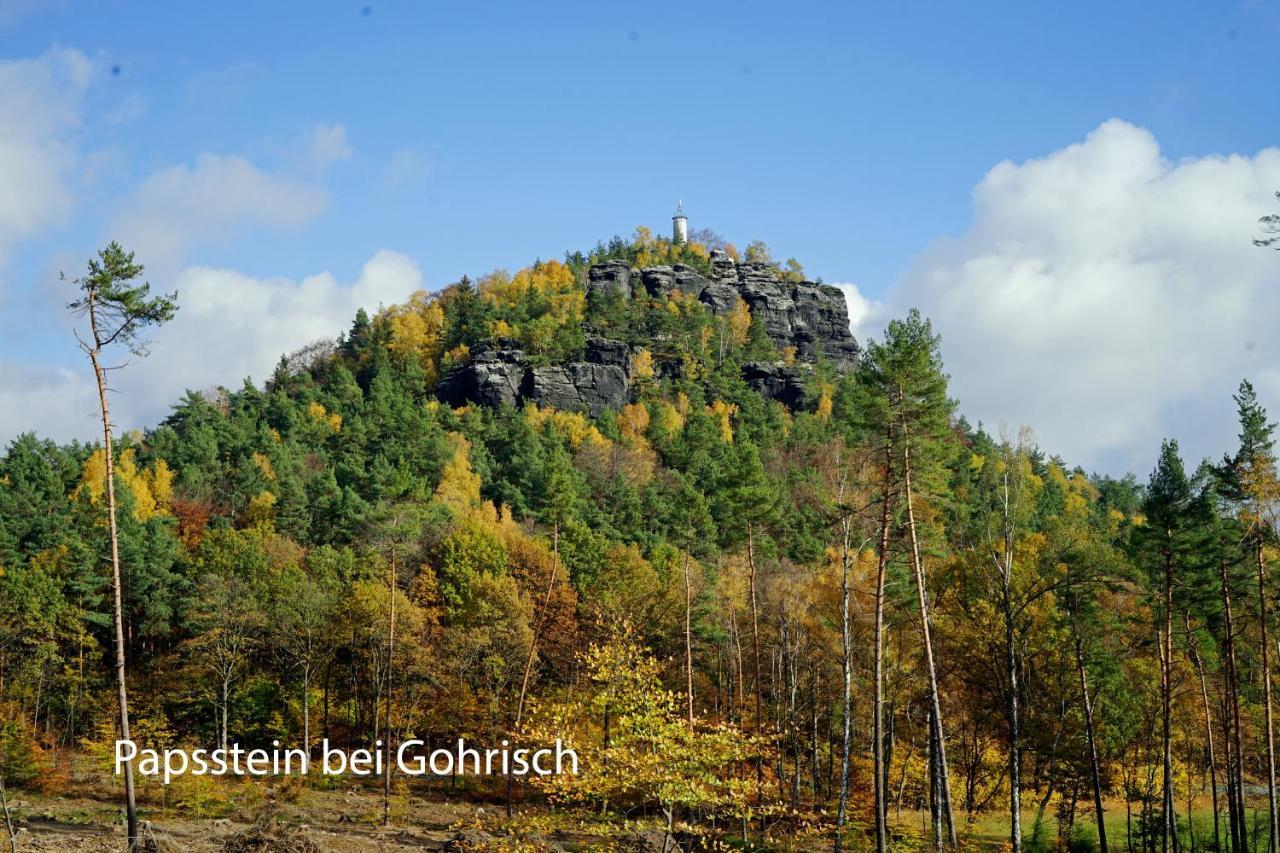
column 417, row 332
column 152, row 490
column 723, row 413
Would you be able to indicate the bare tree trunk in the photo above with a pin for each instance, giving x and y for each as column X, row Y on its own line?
column 879, row 767
column 306, row 708
column 1004, row 568
column 542, row 618
column 846, row 659
column 930, row 667
column 1236, row 783
column 1093, row 749
column 8, row 819
column 391, row 651
column 1015, row 729
column 225, row 709
column 1266, row 693
column 755, row 616
column 688, row 636
column 1208, row 729
column 533, row 640
column 130, row 803
column 1168, row 837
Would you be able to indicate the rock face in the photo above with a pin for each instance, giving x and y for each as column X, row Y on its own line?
column 659, row 281
column 810, row 318
column 499, row 375
column 813, row 318
column 577, row 386
column 492, row 378
column 776, row 381
column 610, row 277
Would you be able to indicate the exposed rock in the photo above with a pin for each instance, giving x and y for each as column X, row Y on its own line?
column 610, row 277
column 577, row 386
column 776, row 381
column 813, row 318
column 499, row 375
column 688, row 280
column 719, row 298
column 658, row 281
column 607, row 351
column 492, row 378
column 723, row 266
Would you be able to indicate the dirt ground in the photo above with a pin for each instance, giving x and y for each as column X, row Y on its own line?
column 333, row 820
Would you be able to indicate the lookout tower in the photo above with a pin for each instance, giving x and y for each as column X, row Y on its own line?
column 679, row 226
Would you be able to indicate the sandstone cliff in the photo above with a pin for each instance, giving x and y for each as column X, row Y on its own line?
column 807, row 318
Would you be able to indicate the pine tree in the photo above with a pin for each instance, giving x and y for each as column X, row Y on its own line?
column 910, row 390
column 1165, row 540
column 118, row 311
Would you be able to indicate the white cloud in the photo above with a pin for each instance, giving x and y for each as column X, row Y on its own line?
column 327, row 144
column 52, row 402
column 1107, row 296
column 229, row 326
column 40, row 102
column 866, row 316
column 215, row 200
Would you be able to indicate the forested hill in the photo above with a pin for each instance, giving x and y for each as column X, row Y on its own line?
column 654, row 499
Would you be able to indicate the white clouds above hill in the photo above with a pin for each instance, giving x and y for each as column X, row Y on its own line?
column 1108, row 296
column 229, row 326
column 218, row 198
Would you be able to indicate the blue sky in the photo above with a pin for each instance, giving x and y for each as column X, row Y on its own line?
column 388, row 144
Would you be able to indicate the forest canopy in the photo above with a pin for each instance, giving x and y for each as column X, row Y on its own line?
column 777, row 620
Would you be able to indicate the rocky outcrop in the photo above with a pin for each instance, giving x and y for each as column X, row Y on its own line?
column 492, row 378
column 723, row 266
column 777, row 382
column 609, row 278
column 499, row 374
column 811, row 317
column 719, row 298
column 607, row 351
column 577, row 386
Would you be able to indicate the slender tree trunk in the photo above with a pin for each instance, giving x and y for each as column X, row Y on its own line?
column 879, row 767
column 1266, row 693
column 1194, row 651
column 1015, row 729
column 1093, row 749
column 306, row 709
column 391, row 652
column 755, row 616
column 930, row 667
column 846, row 649
column 226, row 709
column 688, row 637
column 8, row 819
column 1168, row 821
column 130, row 803
column 542, row 618
column 533, row 640
column 1236, row 785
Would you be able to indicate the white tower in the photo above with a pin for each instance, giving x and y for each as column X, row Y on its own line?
column 679, row 226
